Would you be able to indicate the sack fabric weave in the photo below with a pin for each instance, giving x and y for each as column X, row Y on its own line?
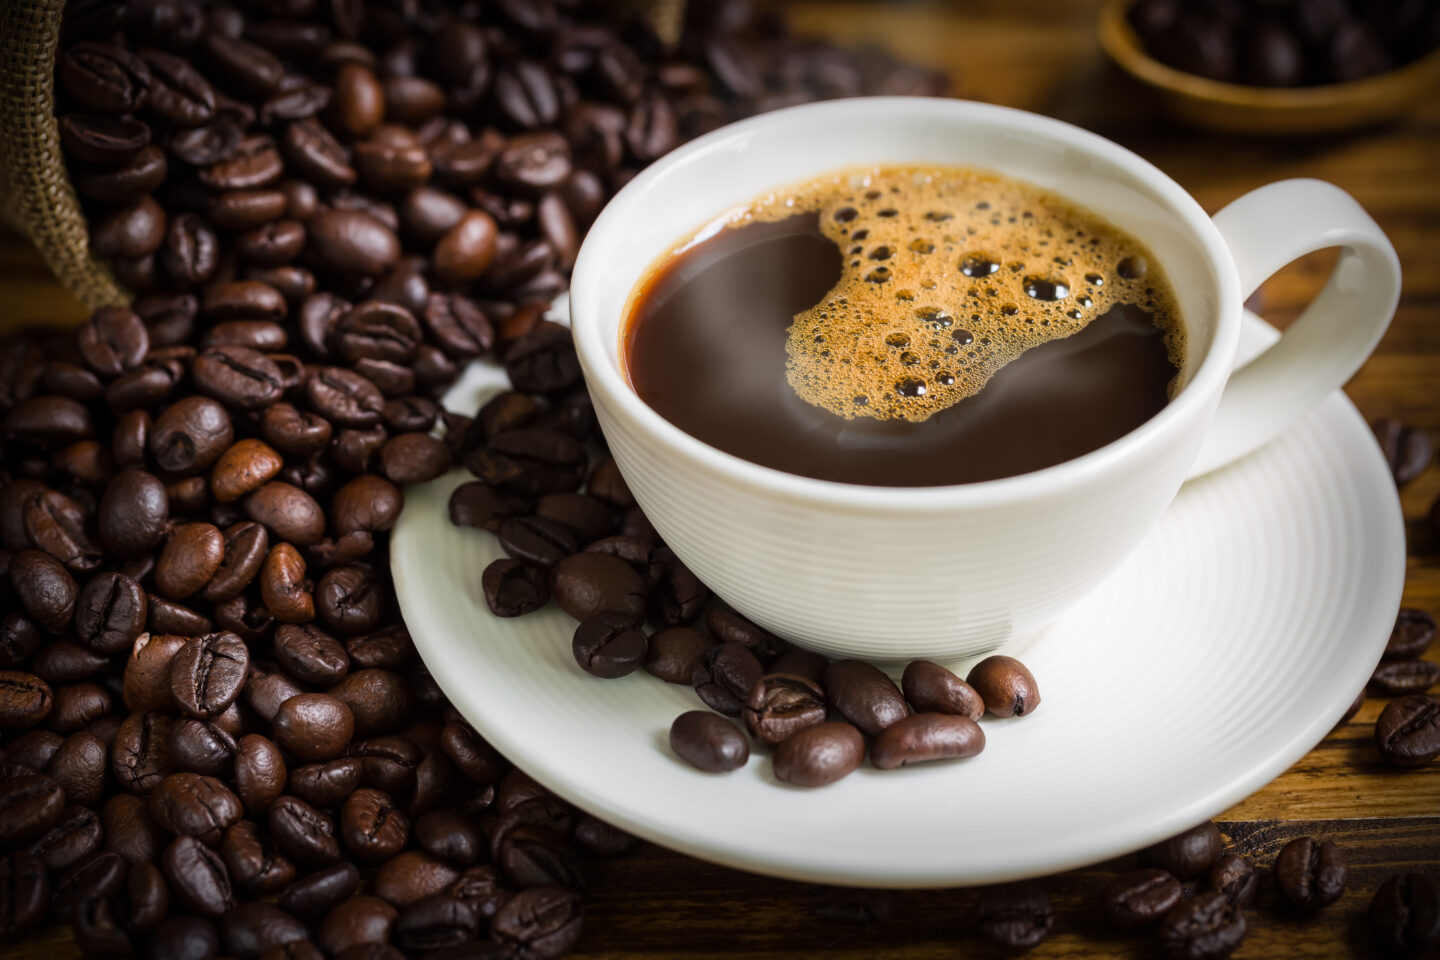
column 38, row 199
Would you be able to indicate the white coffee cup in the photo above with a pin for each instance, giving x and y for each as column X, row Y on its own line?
column 891, row 573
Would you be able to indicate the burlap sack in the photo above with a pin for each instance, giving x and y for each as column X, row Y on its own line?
column 37, row 197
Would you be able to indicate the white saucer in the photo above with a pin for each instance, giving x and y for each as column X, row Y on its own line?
column 1220, row 653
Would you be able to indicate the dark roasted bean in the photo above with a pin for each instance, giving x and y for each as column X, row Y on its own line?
column 724, row 677
column 198, row 877
column 924, row 737
column 1208, row 926
column 1398, row 678
column 1408, row 730
column 931, row 688
column 1405, row 914
column 864, row 695
column 1188, row 854
column 1310, row 874
column 1015, row 916
column 819, row 755
column 543, row 921
column 674, row 653
column 1413, row 633
column 779, row 705
column 1235, row 877
column 1140, row 898
column 1005, row 685
column 609, row 645
column 208, row 673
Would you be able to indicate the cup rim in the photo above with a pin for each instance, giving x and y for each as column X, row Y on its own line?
column 603, row 375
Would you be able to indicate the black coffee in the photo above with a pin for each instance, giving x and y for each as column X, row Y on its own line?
column 907, row 328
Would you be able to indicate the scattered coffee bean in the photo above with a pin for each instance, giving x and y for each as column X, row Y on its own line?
column 1236, row 878
column 924, row 737
column 779, row 705
column 1140, row 899
column 864, row 695
column 1204, row 927
column 931, row 688
column 1006, row 686
column 1188, row 854
column 1405, row 914
column 1015, row 916
column 1407, row 449
column 819, row 755
column 1398, row 678
column 1310, row 874
column 1408, row 730
column 609, row 645
column 1414, row 631
column 709, row 742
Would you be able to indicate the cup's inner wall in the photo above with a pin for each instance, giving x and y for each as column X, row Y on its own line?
column 681, row 197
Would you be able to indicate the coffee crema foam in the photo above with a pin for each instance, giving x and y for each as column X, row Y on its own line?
column 950, row 273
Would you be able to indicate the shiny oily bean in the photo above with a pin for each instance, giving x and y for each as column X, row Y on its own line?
column 674, row 653
column 779, row 705
column 930, row 688
column 198, row 877
column 864, row 695
column 1236, row 878
column 283, row 587
column 208, row 673
column 609, row 645
column 372, row 827
column 190, row 436
column 725, row 676
column 1187, row 855
column 192, row 805
column 254, row 869
column 25, row 700
column 359, row 920
column 1005, row 685
column 1399, row 678
column 146, row 682
column 310, row 655
column 77, row 704
column 924, row 737
column 30, row 805
column 317, row 893
column 80, row 767
column 302, row 833
column 1203, row 927
column 259, row 771
column 1310, row 874
column 1408, row 730
column 819, row 755
column 290, row 513
column 45, row 589
column 1140, row 898
column 244, row 468
column 190, row 558
column 246, row 547
column 314, row 727
column 110, row 613
column 326, row 785
column 200, row 747
column 709, row 742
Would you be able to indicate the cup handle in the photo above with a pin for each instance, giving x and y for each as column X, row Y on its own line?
column 1266, row 229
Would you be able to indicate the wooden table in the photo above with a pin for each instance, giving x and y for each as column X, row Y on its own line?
column 1042, row 55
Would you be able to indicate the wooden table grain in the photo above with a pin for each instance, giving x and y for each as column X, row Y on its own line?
column 1042, row 55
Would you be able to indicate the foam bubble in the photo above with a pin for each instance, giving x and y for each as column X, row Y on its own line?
column 949, row 274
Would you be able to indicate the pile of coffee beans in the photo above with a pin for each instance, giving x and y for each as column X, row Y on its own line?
column 597, row 556
column 1289, row 43
column 217, row 736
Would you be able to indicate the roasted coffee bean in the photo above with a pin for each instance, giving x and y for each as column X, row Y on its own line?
column 283, row 587
column 674, row 653
column 1413, row 633
column 677, row 596
column 450, row 834
column 543, row 361
column 1006, row 686
column 48, row 419
column 104, row 77
column 864, row 695
column 725, row 676
column 253, row 867
column 537, row 540
column 708, row 742
column 779, row 705
column 132, row 232
column 352, row 243
column 609, row 645
column 113, row 341
column 24, row 892
column 372, row 827
column 326, row 784
column 188, row 804
column 79, row 766
column 102, row 140
column 244, row 468
column 411, row 875
column 191, row 557
column 251, row 929
column 290, row 513
column 314, row 726
column 208, row 673
column 379, row 699
column 589, row 583
column 1310, row 874
column 198, row 877
column 169, row 617
column 57, row 525
column 142, row 174
column 467, row 249
column 190, row 436
column 1188, row 854
column 25, row 700
column 45, row 589
column 1405, row 914
column 185, row 938
column 1398, row 678
column 1408, row 730
column 344, row 397
column 924, row 737
column 30, row 805
column 529, row 463
column 19, row 638
column 438, row 920
column 543, row 921
column 477, row 504
column 140, row 755
column 146, row 684
column 349, row 600
column 513, row 588
column 359, row 920
column 34, row 749
column 727, row 626
column 1207, row 926
column 819, row 755
column 302, row 833
column 317, row 893
column 246, row 547
column 388, row 649
column 1015, row 916
column 75, row 835
column 931, row 688
column 240, row 378
column 1236, row 878
column 311, row 655
column 200, row 747
column 1407, row 449
column 536, row 856
column 388, row 763
column 259, row 771
column 77, row 704
column 110, row 613
column 413, row 458
column 1140, row 898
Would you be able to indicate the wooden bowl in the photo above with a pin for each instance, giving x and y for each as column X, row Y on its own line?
column 1266, row 111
